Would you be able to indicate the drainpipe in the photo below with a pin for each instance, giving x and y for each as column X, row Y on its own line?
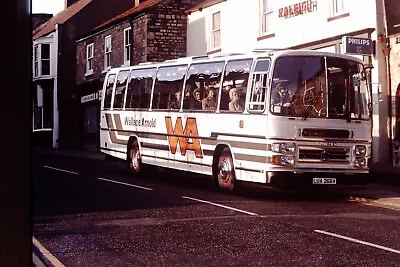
column 132, row 34
column 386, row 51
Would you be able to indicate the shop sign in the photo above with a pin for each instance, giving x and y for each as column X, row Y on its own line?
column 357, row 45
column 298, row 9
column 88, row 98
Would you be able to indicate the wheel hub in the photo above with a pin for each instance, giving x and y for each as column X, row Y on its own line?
column 225, row 169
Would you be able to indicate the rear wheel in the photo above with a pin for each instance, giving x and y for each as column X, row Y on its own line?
column 225, row 173
column 134, row 158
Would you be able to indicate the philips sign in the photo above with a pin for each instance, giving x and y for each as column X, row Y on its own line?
column 357, row 45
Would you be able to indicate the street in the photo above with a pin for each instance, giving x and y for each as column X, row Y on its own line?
column 94, row 213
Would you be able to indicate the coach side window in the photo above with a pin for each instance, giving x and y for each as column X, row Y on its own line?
column 119, row 92
column 139, row 88
column 234, row 87
column 201, row 79
column 169, row 81
column 108, row 93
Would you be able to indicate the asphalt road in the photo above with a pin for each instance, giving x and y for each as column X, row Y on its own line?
column 94, row 213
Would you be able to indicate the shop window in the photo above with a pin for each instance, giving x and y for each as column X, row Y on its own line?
column 43, row 109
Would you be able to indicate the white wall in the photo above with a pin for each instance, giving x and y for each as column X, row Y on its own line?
column 240, row 27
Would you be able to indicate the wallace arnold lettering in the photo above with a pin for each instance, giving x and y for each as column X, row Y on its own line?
column 140, row 122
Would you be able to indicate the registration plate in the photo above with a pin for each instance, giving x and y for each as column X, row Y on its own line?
column 324, row 180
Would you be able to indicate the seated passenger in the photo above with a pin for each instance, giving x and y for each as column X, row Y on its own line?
column 176, row 103
column 209, row 102
column 235, row 104
column 225, row 97
column 195, row 103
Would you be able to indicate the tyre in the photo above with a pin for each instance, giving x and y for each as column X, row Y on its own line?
column 225, row 173
column 134, row 159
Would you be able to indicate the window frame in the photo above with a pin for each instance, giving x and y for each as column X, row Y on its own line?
column 215, row 31
column 89, row 59
column 334, row 12
column 107, row 52
column 42, row 60
column 264, row 28
column 127, row 46
column 38, row 60
column 36, row 55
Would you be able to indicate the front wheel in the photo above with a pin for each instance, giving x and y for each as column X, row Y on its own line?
column 225, row 173
column 134, row 158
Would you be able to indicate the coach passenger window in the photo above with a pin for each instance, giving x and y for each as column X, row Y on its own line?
column 108, row 93
column 168, row 82
column 235, row 85
column 139, row 88
column 119, row 92
column 200, row 76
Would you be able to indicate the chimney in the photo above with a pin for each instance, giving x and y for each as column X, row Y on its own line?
column 138, row 2
column 67, row 3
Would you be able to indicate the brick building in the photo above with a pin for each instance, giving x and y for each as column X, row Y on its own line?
column 153, row 30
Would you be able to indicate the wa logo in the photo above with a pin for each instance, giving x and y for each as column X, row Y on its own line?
column 186, row 137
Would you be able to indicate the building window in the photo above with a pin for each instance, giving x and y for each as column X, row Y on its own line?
column 45, row 59
column 89, row 58
column 107, row 52
column 41, row 60
column 42, row 108
column 337, row 7
column 215, row 30
column 36, row 61
column 127, row 46
column 266, row 16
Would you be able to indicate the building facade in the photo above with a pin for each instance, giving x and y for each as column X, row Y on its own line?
column 55, row 103
column 226, row 26
column 151, row 31
column 392, row 15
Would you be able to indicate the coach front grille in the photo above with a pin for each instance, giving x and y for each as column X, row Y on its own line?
column 324, row 155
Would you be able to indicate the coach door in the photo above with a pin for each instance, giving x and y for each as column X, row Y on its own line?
column 259, row 85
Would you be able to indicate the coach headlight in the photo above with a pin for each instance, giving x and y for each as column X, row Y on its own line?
column 283, row 147
column 359, row 162
column 282, row 160
column 360, row 150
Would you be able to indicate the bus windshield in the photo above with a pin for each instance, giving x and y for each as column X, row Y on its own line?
column 319, row 87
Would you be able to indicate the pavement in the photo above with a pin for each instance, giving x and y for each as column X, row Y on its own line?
column 383, row 191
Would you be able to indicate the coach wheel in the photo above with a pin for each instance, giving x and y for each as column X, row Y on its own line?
column 225, row 172
column 134, row 159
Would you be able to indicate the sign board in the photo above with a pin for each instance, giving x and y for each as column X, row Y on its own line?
column 357, row 45
column 298, row 9
column 88, row 98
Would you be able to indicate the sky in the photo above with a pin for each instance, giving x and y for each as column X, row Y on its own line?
column 47, row 6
